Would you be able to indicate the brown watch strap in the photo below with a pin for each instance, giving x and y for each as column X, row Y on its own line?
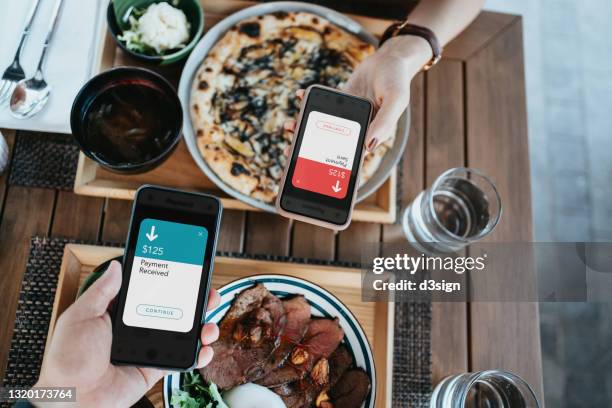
column 404, row 28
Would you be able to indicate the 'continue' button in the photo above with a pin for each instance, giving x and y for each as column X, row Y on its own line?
column 159, row 311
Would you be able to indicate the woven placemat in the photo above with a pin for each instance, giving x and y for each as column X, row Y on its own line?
column 412, row 355
column 412, row 352
column 44, row 160
column 33, row 312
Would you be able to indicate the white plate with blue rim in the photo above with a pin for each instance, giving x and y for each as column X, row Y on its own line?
column 322, row 303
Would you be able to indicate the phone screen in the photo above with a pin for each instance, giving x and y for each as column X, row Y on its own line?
column 322, row 173
column 167, row 268
column 325, row 160
column 165, row 276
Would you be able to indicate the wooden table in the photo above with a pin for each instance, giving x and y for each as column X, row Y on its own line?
column 467, row 111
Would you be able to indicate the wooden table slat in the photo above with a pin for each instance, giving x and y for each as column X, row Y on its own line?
column 353, row 240
column 27, row 212
column 486, row 27
column 267, row 234
column 231, row 232
column 310, row 241
column 504, row 335
column 77, row 216
column 414, row 158
column 445, row 146
column 116, row 220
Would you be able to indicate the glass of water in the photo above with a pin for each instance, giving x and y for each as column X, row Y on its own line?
column 462, row 206
column 483, row 389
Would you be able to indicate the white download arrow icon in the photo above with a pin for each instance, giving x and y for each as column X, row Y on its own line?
column 337, row 187
column 152, row 235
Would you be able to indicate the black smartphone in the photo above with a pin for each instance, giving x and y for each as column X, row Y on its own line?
column 319, row 185
column 167, row 269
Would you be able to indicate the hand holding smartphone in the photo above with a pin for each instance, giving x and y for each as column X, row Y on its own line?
column 320, row 183
column 167, row 268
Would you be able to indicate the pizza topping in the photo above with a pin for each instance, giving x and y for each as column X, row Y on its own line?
column 240, row 147
column 276, row 172
column 203, row 85
column 238, row 169
column 305, row 33
column 251, row 29
column 281, row 15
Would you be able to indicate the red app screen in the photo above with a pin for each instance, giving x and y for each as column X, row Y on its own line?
column 326, row 155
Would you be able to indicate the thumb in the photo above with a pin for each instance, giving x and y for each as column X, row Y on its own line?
column 386, row 118
column 95, row 300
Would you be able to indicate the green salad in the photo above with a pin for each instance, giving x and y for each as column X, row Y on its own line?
column 197, row 394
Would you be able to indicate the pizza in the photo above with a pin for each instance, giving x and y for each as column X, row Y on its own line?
column 245, row 88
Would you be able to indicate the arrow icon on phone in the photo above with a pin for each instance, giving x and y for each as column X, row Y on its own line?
column 337, row 187
column 152, row 235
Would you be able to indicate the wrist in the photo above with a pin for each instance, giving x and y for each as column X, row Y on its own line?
column 42, row 383
column 414, row 50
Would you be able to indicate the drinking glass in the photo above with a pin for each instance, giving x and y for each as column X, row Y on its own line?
column 483, row 389
column 462, row 206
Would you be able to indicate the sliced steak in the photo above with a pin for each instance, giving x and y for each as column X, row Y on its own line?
column 249, row 333
column 322, row 337
column 297, row 314
column 351, row 390
column 304, row 392
column 339, row 361
column 295, row 395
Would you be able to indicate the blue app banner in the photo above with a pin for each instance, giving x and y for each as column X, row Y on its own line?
column 171, row 241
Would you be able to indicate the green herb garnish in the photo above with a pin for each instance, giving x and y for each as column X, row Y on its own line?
column 197, row 394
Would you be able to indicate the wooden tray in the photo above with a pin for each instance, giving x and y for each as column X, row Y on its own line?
column 180, row 171
column 345, row 283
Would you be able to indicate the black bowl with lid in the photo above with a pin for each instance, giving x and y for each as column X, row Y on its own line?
column 127, row 119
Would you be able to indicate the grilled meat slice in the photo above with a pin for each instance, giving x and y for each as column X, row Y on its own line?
column 304, row 393
column 339, row 361
column 297, row 313
column 351, row 390
column 322, row 337
column 249, row 334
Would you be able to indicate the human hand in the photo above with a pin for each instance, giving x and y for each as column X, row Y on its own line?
column 79, row 352
column 384, row 78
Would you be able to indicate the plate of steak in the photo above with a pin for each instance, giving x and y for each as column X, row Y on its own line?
column 292, row 337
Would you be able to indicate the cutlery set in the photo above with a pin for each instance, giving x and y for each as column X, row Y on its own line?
column 27, row 96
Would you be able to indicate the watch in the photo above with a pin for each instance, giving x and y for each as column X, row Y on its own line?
column 405, row 28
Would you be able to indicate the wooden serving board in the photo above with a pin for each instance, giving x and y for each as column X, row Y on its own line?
column 180, row 170
column 376, row 319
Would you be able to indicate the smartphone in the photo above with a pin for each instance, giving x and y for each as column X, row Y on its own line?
column 319, row 185
column 167, row 267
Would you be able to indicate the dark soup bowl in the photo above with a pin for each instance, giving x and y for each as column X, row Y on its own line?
column 128, row 120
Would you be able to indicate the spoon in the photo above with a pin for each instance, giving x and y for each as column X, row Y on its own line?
column 31, row 94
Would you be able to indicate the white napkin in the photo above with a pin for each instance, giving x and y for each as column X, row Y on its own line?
column 70, row 58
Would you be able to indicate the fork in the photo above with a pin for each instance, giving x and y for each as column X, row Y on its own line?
column 14, row 73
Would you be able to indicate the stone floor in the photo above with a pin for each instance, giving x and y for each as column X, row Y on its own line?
column 568, row 56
